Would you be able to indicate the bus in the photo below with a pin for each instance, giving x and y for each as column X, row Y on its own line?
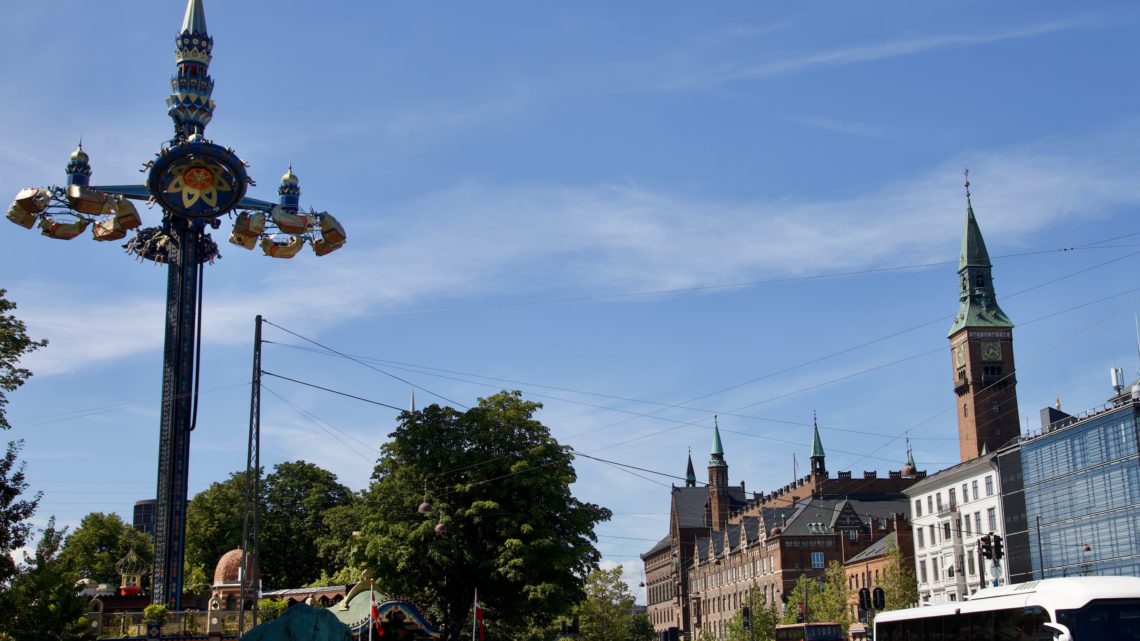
column 809, row 632
column 1091, row 608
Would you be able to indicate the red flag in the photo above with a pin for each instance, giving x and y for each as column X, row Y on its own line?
column 479, row 617
column 374, row 615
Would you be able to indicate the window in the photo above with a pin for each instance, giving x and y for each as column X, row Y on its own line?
column 946, row 531
column 921, row 543
column 922, row 571
column 978, row 522
column 933, row 538
column 817, row 560
column 989, row 485
column 965, row 494
column 918, row 507
column 852, row 535
column 975, row 485
column 970, row 564
column 966, row 524
column 934, row 570
column 965, row 410
column 991, row 514
column 953, row 498
column 930, row 504
column 938, row 501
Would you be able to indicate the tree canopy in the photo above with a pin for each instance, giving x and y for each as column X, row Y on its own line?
column 295, row 501
column 42, row 602
column 100, row 541
column 606, row 614
column 500, row 488
column 297, row 496
column 15, row 507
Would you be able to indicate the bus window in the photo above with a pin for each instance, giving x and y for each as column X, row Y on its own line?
column 1116, row 619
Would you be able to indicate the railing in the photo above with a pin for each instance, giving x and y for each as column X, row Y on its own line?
column 191, row 624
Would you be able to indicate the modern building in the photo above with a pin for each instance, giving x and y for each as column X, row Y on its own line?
column 1072, row 493
column 143, row 520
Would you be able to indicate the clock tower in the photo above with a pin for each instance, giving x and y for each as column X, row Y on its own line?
column 981, row 350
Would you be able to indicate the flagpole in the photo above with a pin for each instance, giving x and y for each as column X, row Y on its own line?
column 474, row 616
column 371, row 610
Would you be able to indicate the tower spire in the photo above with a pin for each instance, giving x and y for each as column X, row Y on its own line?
column 716, row 456
column 818, row 467
column 978, row 306
column 190, row 105
column 690, row 473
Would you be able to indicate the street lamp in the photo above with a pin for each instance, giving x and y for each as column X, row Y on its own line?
column 195, row 182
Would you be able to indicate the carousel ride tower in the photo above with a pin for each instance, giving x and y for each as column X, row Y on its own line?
column 196, row 184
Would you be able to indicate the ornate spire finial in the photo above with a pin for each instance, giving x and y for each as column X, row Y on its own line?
column 190, row 105
column 966, row 173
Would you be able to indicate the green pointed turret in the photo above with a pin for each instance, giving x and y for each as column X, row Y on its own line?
column 978, row 306
column 816, row 443
column 690, row 474
column 716, row 456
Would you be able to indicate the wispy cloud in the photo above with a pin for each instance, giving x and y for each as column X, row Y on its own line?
column 875, row 51
column 475, row 241
column 840, row 126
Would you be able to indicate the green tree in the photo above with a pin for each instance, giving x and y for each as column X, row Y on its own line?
column 606, row 614
column 806, row 591
column 833, row 598
column 765, row 616
column 297, row 496
column 510, row 525
column 15, row 508
column 214, row 522
column 900, row 587
column 100, row 541
column 42, row 602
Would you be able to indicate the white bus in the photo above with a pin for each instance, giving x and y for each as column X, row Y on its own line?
column 1095, row 608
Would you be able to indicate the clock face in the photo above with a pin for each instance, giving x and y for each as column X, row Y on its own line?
column 991, row 352
column 960, row 354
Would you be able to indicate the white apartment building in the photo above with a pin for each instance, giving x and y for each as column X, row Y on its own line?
column 950, row 511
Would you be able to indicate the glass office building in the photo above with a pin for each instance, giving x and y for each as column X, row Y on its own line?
column 1071, row 494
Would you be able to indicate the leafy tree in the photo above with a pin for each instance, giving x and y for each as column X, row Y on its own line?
column 900, row 587
column 14, row 510
column 42, row 602
column 807, row 590
column 511, row 528
column 14, row 344
column 606, row 614
column 100, row 541
column 214, row 522
column 197, row 581
column 765, row 616
column 297, row 496
column 268, row 609
column 833, row 598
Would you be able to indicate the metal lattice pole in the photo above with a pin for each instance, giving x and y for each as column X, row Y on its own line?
column 251, row 511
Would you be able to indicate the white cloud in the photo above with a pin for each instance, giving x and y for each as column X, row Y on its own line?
column 876, row 51
column 475, row 241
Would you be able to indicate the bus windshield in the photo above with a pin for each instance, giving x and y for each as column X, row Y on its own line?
column 1108, row 619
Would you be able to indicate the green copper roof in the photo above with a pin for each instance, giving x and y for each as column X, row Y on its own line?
column 978, row 306
column 816, row 444
column 716, row 457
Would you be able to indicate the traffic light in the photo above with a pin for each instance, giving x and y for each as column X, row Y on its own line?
column 987, row 551
column 864, row 599
column 878, row 598
column 999, row 548
column 746, row 617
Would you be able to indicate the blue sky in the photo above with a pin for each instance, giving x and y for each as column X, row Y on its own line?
column 751, row 211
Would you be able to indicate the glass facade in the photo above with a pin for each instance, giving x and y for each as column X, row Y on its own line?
column 1081, row 489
